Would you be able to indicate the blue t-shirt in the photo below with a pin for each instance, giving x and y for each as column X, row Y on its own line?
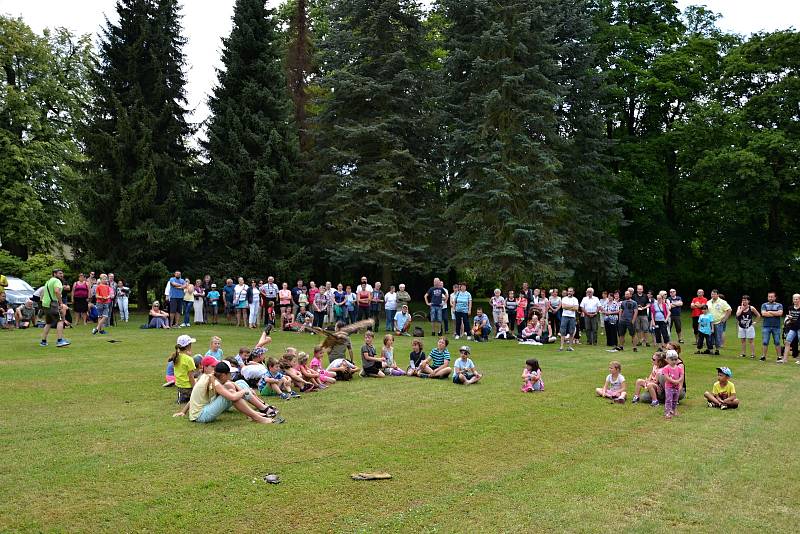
column 462, row 301
column 213, row 297
column 229, row 290
column 771, row 322
column 435, row 296
column 461, row 365
column 400, row 319
column 215, row 353
column 704, row 323
column 480, row 319
column 176, row 292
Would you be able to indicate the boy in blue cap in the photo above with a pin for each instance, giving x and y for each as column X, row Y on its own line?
column 723, row 394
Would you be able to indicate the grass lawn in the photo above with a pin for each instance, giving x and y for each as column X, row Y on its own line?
column 89, row 444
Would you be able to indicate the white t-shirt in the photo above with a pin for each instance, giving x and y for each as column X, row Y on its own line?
column 254, row 371
column 568, row 301
column 445, row 298
column 590, row 304
column 615, row 385
column 339, row 362
column 390, row 301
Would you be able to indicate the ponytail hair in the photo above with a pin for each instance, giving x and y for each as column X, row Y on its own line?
column 174, row 357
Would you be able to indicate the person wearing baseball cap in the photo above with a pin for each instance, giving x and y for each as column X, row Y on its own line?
column 214, row 394
column 184, row 365
column 464, row 369
column 723, row 394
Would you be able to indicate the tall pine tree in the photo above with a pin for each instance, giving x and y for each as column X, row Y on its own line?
column 372, row 133
column 136, row 202
column 248, row 185
column 503, row 139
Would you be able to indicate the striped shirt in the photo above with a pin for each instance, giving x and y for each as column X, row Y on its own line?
column 438, row 356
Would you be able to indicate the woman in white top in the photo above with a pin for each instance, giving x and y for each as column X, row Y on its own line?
column 390, row 307
column 240, row 302
column 254, row 306
column 199, row 298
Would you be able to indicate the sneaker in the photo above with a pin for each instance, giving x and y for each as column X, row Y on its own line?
column 62, row 343
column 635, row 399
column 779, row 361
column 43, row 343
column 103, row 333
column 743, row 355
column 680, row 341
column 635, row 349
column 723, row 406
column 456, row 337
column 570, row 349
column 620, row 349
column 762, row 359
column 285, row 396
column 469, row 338
column 94, row 331
column 560, row 349
column 620, row 400
column 168, row 384
column 706, row 352
column 710, row 404
column 654, row 403
column 716, row 353
column 698, row 352
column 294, row 394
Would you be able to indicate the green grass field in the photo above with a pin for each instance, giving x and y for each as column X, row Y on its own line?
column 89, row 444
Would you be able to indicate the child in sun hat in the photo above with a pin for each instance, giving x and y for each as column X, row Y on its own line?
column 184, row 366
column 723, row 394
column 464, row 369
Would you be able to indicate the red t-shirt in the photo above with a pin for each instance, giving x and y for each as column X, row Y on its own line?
column 103, row 294
column 697, row 312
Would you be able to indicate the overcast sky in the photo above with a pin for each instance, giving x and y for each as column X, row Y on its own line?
column 205, row 21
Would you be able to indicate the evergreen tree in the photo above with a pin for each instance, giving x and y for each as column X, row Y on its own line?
column 372, row 136
column 593, row 215
column 248, row 187
column 137, row 201
column 503, row 140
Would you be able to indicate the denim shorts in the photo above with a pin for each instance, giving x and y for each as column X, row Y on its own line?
column 771, row 331
column 102, row 310
column 220, row 405
column 436, row 314
column 567, row 326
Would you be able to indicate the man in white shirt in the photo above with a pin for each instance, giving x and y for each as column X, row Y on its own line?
column 589, row 309
column 569, row 311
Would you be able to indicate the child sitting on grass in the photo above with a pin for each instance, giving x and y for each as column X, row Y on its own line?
column 503, row 331
column 387, row 353
column 464, row 369
column 309, row 374
column 371, row 365
column 723, row 394
column 439, row 360
column 289, row 367
column 532, row 376
column 215, row 348
column 274, row 382
column 673, row 381
column 651, row 382
column 615, row 386
column 316, row 365
column 417, row 360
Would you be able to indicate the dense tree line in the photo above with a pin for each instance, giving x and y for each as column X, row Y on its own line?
column 585, row 141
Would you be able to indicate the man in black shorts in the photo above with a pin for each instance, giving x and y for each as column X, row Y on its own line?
column 627, row 318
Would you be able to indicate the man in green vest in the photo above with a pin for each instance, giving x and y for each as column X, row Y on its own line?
column 51, row 304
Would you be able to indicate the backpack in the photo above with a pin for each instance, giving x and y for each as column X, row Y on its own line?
column 418, row 332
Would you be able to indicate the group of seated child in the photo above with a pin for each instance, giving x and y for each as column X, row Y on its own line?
column 436, row 364
column 667, row 383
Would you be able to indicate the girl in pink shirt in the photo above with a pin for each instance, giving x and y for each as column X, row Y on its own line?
column 673, row 375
